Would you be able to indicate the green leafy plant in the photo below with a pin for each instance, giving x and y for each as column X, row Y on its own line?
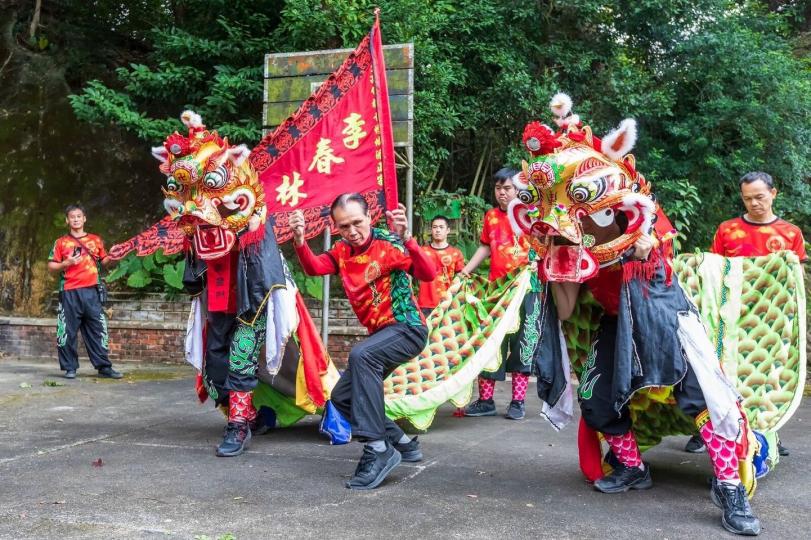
column 153, row 273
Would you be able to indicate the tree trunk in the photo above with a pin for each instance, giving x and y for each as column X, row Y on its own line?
column 32, row 30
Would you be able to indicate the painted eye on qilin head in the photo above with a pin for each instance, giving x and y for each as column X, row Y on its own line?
column 588, row 191
column 173, row 185
column 216, row 178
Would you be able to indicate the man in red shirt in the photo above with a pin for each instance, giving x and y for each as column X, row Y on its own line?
column 507, row 252
column 448, row 261
column 373, row 264
column 78, row 257
column 756, row 233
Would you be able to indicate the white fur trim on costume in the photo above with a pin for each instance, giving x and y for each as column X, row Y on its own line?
column 643, row 203
column 191, row 119
column 238, row 154
column 561, row 104
column 620, row 141
column 160, row 153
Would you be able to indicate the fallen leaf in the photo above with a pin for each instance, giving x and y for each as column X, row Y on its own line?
column 98, row 463
column 529, row 505
column 481, row 472
column 473, row 496
column 59, row 420
column 51, row 383
column 59, row 502
column 25, row 385
column 238, row 498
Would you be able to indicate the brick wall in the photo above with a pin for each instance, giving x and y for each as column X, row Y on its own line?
column 152, row 329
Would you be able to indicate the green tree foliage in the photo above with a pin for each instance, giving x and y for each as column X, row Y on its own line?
column 714, row 84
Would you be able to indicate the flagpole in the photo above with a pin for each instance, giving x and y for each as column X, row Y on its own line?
column 325, row 292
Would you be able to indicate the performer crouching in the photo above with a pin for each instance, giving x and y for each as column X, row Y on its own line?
column 656, row 312
column 372, row 264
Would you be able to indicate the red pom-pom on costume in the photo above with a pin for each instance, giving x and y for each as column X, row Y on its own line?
column 539, row 139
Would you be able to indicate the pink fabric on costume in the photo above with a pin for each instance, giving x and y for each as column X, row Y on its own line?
column 240, row 407
column 520, row 383
column 625, row 448
column 722, row 454
column 487, row 387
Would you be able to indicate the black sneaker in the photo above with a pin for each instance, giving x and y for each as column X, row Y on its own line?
column 515, row 411
column 737, row 517
column 624, row 478
column 373, row 467
column 236, row 439
column 782, row 450
column 109, row 373
column 481, row 407
column 409, row 451
column 695, row 445
column 70, row 374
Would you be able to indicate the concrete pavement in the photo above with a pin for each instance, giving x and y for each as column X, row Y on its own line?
column 488, row 478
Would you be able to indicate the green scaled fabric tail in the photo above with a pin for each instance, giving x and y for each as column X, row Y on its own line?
column 755, row 311
column 464, row 337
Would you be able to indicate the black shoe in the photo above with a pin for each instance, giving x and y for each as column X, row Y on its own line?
column 109, row 373
column 624, row 478
column 409, row 451
column 481, row 407
column 373, row 467
column 236, row 439
column 516, row 410
column 70, row 374
column 782, row 450
column 737, row 517
column 695, row 445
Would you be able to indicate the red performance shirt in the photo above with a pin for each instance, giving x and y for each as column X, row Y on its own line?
column 507, row 251
column 741, row 238
column 374, row 277
column 86, row 272
column 606, row 286
column 448, row 261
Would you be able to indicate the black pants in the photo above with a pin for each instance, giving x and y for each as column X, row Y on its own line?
column 516, row 349
column 80, row 309
column 232, row 354
column 358, row 395
column 596, row 395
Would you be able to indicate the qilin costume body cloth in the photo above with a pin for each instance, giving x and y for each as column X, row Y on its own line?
column 586, row 210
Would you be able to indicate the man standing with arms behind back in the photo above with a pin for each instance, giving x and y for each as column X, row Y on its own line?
column 78, row 257
column 756, row 233
column 448, row 260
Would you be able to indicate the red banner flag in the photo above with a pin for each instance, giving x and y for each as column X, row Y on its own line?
column 339, row 140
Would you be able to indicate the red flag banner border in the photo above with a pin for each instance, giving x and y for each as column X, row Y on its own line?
column 367, row 55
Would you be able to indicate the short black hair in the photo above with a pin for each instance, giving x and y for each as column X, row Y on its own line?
column 504, row 174
column 71, row 207
column 754, row 176
column 345, row 198
column 443, row 218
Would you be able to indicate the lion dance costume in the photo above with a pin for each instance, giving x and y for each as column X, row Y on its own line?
column 650, row 343
column 244, row 300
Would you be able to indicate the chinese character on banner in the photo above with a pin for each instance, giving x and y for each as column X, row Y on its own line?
column 340, row 138
column 288, row 191
column 353, row 130
column 324, row 157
